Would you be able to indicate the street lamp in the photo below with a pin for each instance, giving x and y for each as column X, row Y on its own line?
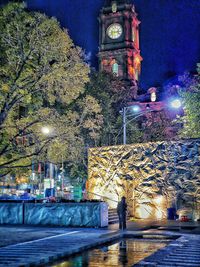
column 175, row 103
column 62, row 177
column 45, row 130
column 124, row 112
column 136, row 108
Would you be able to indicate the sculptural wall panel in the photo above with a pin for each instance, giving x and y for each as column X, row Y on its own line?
column 153, row 176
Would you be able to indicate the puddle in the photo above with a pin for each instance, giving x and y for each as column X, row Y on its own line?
column 123, row 253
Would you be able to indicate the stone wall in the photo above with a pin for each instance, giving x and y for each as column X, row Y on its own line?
column 153, row 176
column 79, row 215
column 11, row 213
column 89, row 214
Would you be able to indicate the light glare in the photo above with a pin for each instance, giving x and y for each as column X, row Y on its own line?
column 176, row 103
column 136, row 108
column 45, row 130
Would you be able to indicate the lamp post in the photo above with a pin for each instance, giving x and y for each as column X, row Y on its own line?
column 62, row 177
column 126, row 112
column 46, row 131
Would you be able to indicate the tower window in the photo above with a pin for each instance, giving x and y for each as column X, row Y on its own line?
column 153, row 96
column 133, row 34
column 114, row 7
column 136, row 74
column 115, row 69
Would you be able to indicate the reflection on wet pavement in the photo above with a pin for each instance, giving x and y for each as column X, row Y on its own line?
column 124, row 253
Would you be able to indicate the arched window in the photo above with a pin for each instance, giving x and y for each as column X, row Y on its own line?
column 115, row 69
column 136, row 74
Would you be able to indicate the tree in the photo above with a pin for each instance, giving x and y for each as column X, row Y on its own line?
column 158, row 126
column 42, row 75
column 112, row 94
column 190, row 93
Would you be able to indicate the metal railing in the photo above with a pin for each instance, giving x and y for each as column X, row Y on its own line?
column 102, row 197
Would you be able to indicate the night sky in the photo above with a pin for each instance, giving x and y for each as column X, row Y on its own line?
column 169, row 33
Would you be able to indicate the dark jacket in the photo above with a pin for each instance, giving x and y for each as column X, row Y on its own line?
column 122, row 207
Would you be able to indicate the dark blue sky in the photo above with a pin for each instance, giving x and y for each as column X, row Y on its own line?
column 169, row 32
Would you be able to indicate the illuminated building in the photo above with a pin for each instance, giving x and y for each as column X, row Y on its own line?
column 119, row 51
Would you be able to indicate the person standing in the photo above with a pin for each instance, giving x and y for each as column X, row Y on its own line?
column 121, row 211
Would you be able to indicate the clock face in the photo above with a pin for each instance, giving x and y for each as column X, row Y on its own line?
column 114, row 31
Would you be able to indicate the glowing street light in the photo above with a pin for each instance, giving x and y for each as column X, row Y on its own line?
column 45, row 130
column 136, row 108
column 176, row 103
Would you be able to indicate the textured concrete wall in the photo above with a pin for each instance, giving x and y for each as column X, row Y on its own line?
column 68, row 214
column 11, row 213
column 82, row 214
column 153, row 176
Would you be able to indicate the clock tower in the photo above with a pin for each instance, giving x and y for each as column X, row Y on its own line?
column 119, row 51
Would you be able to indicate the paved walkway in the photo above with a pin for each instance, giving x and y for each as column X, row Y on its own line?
column 184, row 252
column 42, row 251
column 38, row 246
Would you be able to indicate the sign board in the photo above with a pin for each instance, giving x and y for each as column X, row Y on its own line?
column 48, row 183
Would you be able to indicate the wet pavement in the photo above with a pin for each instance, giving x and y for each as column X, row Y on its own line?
column 183, row 252
column 122, row 253
column 175, row 226
column 37, row 246
column 10, row 235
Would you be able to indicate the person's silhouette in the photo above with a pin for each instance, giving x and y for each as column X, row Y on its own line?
column 121, row 211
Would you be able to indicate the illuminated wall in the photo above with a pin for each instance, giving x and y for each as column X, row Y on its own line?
column 153, row 176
